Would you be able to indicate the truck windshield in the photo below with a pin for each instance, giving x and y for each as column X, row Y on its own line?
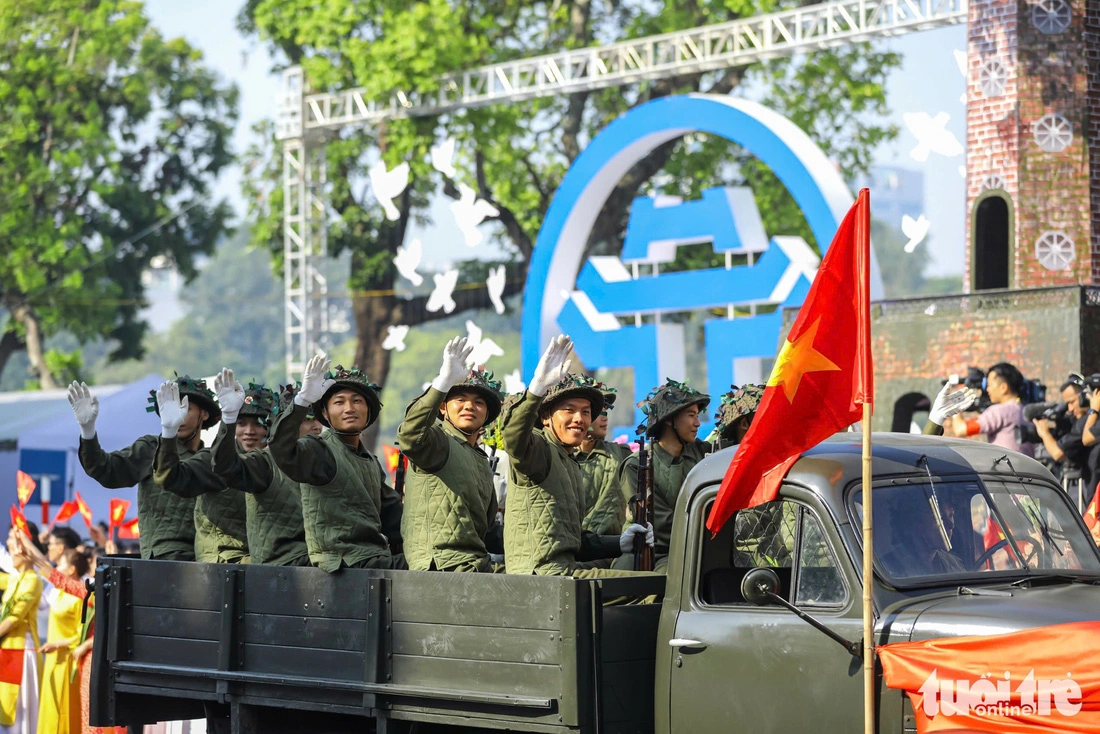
column 975, row 527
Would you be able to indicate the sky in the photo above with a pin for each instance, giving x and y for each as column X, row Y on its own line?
column 928, row 81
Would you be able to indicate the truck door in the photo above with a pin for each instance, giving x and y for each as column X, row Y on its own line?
column 739, row 667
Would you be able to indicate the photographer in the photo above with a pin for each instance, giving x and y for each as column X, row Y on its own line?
column 1070, row 450
column 1004, row 385
column 1091, row 435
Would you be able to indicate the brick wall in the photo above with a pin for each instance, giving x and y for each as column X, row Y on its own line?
column 1047, row 74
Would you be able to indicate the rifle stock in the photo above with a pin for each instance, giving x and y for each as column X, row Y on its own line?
column 399, row 474
column 643, row 502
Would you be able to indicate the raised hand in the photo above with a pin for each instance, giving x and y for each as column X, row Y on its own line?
column 172, row 409
column 552, row 365
column 453, row 369
column 85, row 407
column 950, row 402
column 314, row 384
column 230, row 395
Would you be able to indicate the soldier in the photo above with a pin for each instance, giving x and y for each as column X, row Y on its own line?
column 542, row 429
column 221, row 531
column 672, row 423
column 449, row 521
column 273, row 502
column 167, row 520
column 599, row 459
column 735, row 414
column 351, row 514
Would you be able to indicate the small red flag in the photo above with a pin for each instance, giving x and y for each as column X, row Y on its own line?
column 129, row 530
column 24, row 487
column 1092, row 511
column 83, row 509
column 11, row 666
column 19, row 521
column 822, row 376
column 66, row 511
column 118, row 511
column 390, row 454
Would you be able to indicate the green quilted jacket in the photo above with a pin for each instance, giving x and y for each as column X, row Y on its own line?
column 167, row 520
column 543, row 531
column 605, row 508
column 350, row 513
column 273, row 503
column 668, row 477
column 221, row 535
column 449, row 499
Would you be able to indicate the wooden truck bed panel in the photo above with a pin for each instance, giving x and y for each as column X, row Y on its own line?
column 526, row 653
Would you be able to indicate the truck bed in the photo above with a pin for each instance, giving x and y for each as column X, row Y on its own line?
column 288, row 649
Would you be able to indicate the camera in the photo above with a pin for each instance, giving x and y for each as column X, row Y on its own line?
column 1091, row 384
column 974, row 380
column 1056, row 412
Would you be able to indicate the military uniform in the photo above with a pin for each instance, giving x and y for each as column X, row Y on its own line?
column 273, row 502
column 450, row 505
column 218, row 514
column 166, row 519
column 605, row 509
column 669, row 472
column 351, row 515
column 543, row 529
column 735, row 405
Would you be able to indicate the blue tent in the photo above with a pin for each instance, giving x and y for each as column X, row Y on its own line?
column 50, row 449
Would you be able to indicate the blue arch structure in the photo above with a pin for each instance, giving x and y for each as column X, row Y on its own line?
column 811, row 178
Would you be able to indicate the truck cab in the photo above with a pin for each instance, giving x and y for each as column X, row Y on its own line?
column 969, row 539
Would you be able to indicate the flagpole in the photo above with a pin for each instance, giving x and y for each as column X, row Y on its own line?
column 868, row 580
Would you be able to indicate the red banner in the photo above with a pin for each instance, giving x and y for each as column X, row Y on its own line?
column 11, row 666
column 66, row 511
column 119, row 508
column 129, row 530
column 83, row 509
column 18, row 520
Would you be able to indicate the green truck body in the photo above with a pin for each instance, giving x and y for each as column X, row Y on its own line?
column 297, row 649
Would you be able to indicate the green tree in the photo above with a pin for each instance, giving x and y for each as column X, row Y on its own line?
column 515, row 155
column 233, row 318
column 111, row 138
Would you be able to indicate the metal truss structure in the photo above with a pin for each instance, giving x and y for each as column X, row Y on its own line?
column 303, row 118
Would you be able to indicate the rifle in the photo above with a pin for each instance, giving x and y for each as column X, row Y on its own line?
column 399, row 474
column 643, row 506
column 494, row 460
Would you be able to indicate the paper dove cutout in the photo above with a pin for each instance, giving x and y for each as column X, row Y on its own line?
column 960, row 59
column 442, row 156
column 513, row 383
column 495, row 283
column 395, row 337
column 388, row 185
column 915, row 229
column 962, row 171
column 469, row 212
column 407, row 259
column 483, row 348
column 440, row 297
column 932, row 135
column 931, row 310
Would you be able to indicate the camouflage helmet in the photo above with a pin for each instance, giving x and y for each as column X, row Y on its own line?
column 353, row 379
column 576, row 386
column 736, row 404
column 482, row 383
column 610, row 394
column 259, row 402
column 665, row 401
column 197, row 393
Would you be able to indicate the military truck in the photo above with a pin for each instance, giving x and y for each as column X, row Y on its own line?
column 755, row 629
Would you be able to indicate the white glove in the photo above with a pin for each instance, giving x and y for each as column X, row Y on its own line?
column 230, row 395
column 949, row 402
column 552, row 365
column 172, row 409
column 453, row 369
column 85, row 408
column 626, row 540
column 314, row 384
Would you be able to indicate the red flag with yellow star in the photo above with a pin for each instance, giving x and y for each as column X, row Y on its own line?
column 822, row 376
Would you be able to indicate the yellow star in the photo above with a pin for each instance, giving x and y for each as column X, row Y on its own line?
column 797, row 359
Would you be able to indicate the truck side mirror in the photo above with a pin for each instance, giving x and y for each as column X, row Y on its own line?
column 759, row 586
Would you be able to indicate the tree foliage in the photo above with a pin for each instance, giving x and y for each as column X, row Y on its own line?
column 109, row 131
column 515, row 155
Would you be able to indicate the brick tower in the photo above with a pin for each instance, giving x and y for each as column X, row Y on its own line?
column 1033, row 183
